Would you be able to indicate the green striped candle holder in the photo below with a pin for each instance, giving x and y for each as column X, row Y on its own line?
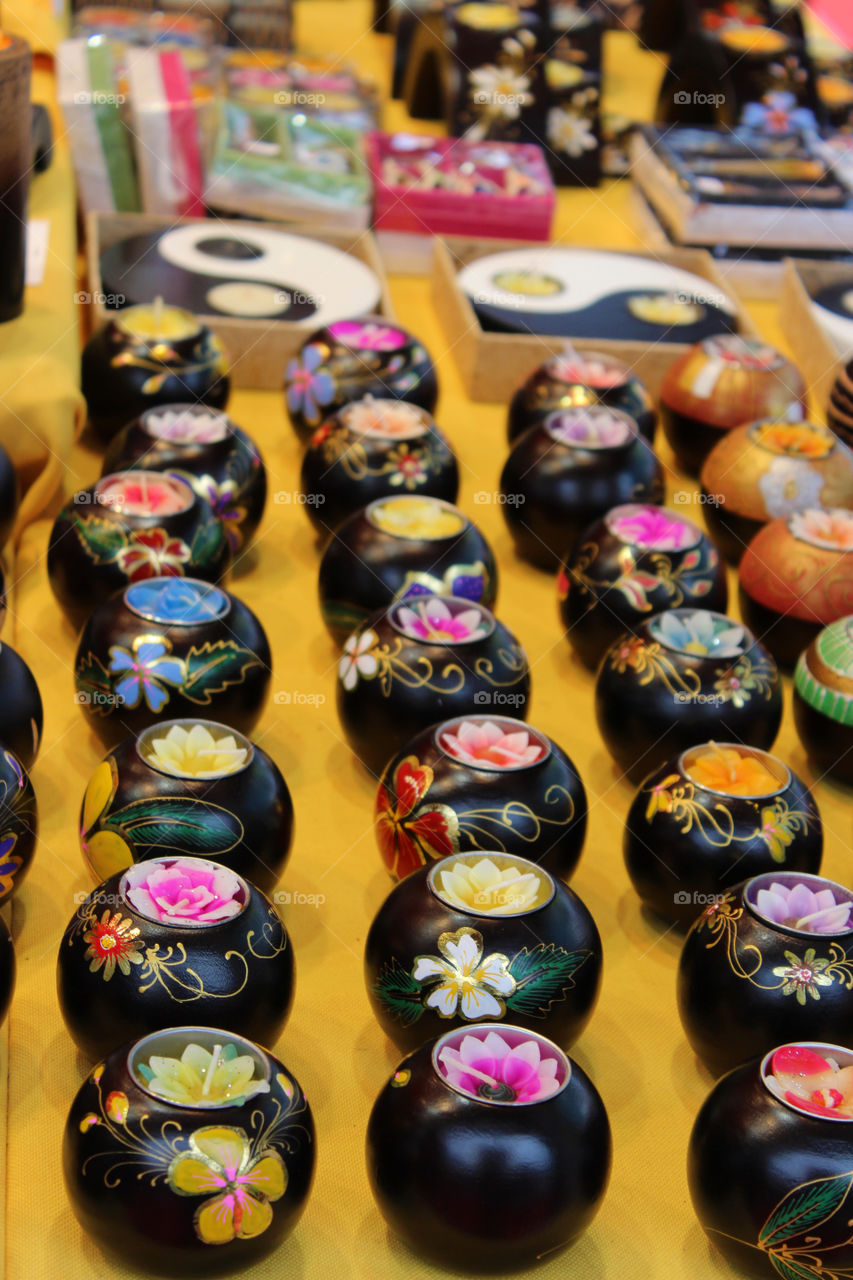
column 823, row 700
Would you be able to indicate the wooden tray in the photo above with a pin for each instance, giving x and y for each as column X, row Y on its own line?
column 814, row 351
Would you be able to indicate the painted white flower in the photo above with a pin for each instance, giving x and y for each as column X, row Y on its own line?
column 465, row 980
column 787, row 486
column 357, row 660
column 499, row 91
column 189, row 425
column 570, row 132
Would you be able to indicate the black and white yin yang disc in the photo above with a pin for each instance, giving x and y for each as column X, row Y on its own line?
column 587, row 293
column 240, row 271
column 833, row 309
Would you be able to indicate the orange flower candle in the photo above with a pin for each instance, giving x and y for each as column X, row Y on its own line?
column 734, row 770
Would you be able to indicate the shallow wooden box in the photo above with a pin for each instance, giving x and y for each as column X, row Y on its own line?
column 814, row 351
column 493, row 365
column 258, row 349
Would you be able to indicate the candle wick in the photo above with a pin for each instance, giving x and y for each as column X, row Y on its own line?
column 208, row 1077
column 459, row 1061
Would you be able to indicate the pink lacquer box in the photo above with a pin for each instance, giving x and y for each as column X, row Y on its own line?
column 426, row 186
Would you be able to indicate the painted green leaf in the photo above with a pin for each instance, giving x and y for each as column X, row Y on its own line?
column 180, row 823
column 93, row 685
column 543, row 975
column 804, row 1208
column 397, row 990
column 208, row 540
column 791, row 1269
column 342, row 616
column 101, row 539
column 212, row 668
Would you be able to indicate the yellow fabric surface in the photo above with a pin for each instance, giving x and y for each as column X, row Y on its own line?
column 41, row 409
column 633, row 1049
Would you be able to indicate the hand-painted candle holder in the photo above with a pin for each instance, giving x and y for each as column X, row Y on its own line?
column 433, row 654
column 823, row 700
column 480, row 780
column 191, row 787
column 140, row 359
column 18, row 824
column 567, row 471
column 685, row 676
column 189, row 1152
column 796, row 576
column 350, row 359
column 369, row 450
column 770, row 960
column 7, row 969
column 774, row 1200
column 9, row 496
column 400, row 548
column 839, row 411
column 21, row 713
column 637, row 560
column 768, row 470
column 536, row 1140
column 129, row 527
column 578, row 380
column 167, row 647
column 170, row 939
column 712, row 816
column 482, row 936
column 719, row 384
column 209, row 451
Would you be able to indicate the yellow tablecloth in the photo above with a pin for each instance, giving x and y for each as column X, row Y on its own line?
column 633, row 1049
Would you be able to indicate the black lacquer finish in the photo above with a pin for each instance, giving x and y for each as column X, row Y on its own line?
column 21, row 714
column 7, row 969
column 568, row 382
column 475, row 1184
column 18, row 824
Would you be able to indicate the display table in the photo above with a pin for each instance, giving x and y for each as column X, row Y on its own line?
column 634, row 1049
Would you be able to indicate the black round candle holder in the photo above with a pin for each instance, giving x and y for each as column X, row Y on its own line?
column 9, row 496
column 635, row 561
column 21, row 713
column 434, row 654
column 567, row 471
column 127, row 967
column 189, row 1188
column 579, row 380
column 8, row 969
column 142, row 802
column 350, row 359
column 96, row 547
column 483, row 936
column 372, row 449
column 207, row 449
column 124, row 372
column 685, row 676
column 18, row 824
column 398, row 548
column 686, row 842
column 747, row 982
column 537, row 1165
column 480, row 781
column 169, row 647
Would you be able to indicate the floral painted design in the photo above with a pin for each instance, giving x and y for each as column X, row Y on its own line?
column 465, row 581
column 173, row 600
column 803, row 977
column 497, row 92
column 240, row 1187
column 406, row 840
column 778, row 112
column 203, row 1077
column 310, row 387
column 434, row 621
column 776, row 824
column 152, row 553
column 117, row 1106
column 796, row 906
column 688, row 578
column 793, row 439
column 200, row 751
column 113, row 941
column 222, row 497
column 192, row 424
column 484, row 742
column 186, row 891
column 358, row 659
column 652, row 528
column 10, row 864
column 831, row 528
column 788, row 486
column 462, row 979
column 570, row 132
column 407, row 467
column 144, row 672
column 489, row 1067
column 105, row 849
column 742, row 681
column 368, row 335
column 699, row 632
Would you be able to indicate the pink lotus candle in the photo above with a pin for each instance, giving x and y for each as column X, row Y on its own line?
column 144, row 493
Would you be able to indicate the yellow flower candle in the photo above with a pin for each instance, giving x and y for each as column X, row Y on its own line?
column 156, row 322
column 195, row 750
column 734, row 771
column 416, row 517
column 492, row 884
